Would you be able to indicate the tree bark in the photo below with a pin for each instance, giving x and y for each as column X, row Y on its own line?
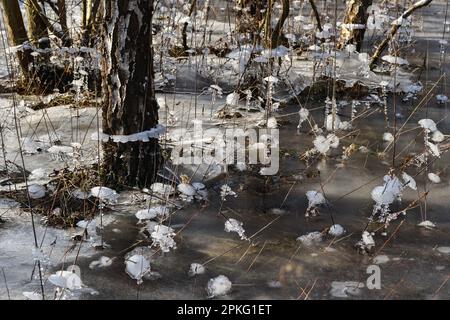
column 17, row 34
column 419, row 4
column 36, row 25
column 90, row 13
column 128, row 86
column 355, row 13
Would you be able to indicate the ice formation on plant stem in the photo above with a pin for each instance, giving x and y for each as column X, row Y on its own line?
column 162, row 189
column 36, row 191
column 385, row 195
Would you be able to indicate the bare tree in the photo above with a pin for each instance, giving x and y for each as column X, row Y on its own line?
column 128, row 86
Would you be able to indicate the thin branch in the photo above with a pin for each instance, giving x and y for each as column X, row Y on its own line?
column 395, row 26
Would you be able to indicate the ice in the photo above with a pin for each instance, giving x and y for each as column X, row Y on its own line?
column 66, row 279
column 437, row 136
column 427, row 224
column 32, row 295
column 445, row 250
column 381, row 259
column 279, row 51
column 186, row 189
column 80, row 194
column 38, row 174
column 330, row 125
column 198, row 186
column 61, row 150
column 196, row 269
column 36, row 191
column 315, row 198
column 272, row 123
column 225, row 190
column 105, row 194
column 162, row 189
column 388, row 137
column 218, row 286
column 441, row 98
column 388, row 192
column 143, row 136
column 346, row 288
column 233, row 99
column 233, row 225
column 409, row 181
column 303, row 114
column 367, row 242
column 152, row 213
column 434, row 177
column 394, row 60
column 271, row 79
column 103, row 262
column 434, row 149
column 323, row 144
column 428, row 124
column 6, row 203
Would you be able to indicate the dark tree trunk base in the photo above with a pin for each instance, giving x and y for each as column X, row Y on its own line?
column 131, row 164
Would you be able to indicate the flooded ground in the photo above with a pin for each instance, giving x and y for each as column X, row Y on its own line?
column 414, row 261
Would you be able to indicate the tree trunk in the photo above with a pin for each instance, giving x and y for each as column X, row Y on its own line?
column 277, row 35
column 355, row 14
column 185, row 25
column 37, row 28
column 128, row 86
column 17, row 33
